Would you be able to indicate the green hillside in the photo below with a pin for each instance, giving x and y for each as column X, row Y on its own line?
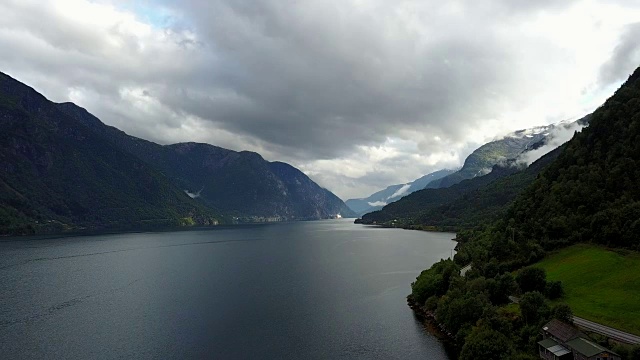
column 601, row 285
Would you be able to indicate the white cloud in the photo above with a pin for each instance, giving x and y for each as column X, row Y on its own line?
column 403, row 190
column 558, row 135
column 377, row 203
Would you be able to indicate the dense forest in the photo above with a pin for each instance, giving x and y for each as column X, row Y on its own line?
column 588, row 193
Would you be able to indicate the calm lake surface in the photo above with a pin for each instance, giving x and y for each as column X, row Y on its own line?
column 307, row 290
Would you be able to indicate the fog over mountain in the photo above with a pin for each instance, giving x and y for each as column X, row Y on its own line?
column 357, row 94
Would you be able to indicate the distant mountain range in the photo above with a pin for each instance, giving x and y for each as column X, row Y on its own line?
column 471, row 202
column 393, row 193
column 61, row 168
column 241, row 184
column 475, row 193
column 522, row 146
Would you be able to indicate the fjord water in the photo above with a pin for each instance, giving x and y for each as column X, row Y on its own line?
column 306, row 290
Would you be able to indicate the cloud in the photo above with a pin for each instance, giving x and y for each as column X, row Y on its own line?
column 558, row 135
column 400, row 192
column 625, row 58
column 358, row 94
column 377, row 203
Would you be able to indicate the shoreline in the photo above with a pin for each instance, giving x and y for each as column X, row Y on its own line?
column 428, row 320
column 135, row 230
column 427, row 228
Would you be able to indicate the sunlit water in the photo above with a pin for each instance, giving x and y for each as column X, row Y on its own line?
column 307, row 290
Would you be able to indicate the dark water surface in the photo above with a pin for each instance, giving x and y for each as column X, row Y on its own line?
column 308, row 290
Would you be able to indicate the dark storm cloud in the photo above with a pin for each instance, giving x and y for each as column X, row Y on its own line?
column 320, row 77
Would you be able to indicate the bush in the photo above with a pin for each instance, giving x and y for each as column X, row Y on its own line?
column 533, row 307
column 532, row 279
column 562, row 312
column 554, row 290
column 486, row 344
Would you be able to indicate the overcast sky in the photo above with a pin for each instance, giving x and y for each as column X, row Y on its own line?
column 358, row 94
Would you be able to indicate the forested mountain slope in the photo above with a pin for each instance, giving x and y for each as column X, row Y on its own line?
column 591, row 192
column 241, row 184
column 56, row 174
column 588, row 193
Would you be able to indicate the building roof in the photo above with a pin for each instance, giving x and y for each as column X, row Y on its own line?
column 587, row 348
column 547, row 343
column 561, row 331
column 553, row 347
column 559, row 350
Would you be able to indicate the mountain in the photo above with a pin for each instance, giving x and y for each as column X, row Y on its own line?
column 61, row 168
column 526, row 145
column 421, row 183
column 392, row 193
column 588, row 193
column 241, row 184
column 591, row 192
column 56, row 174
column 467, row 204
column 485, row 196
column 373, row 201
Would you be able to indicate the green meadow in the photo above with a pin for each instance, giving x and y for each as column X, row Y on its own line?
column 601, row 285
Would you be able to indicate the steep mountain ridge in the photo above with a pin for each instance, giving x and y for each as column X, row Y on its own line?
column 485, row 196
column 241, row 184
column 481, row 161
column 590, row 193
column 408, row 210
column 526, row 145
column 57, row 174
column 62, row 169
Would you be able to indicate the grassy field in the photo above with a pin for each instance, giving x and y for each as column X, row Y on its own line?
column 600, row 285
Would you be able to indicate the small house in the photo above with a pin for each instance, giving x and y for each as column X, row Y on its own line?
column 562, row 341
column 584, row 349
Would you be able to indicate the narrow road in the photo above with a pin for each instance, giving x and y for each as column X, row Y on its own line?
column 607, row 331
column 598, row 328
